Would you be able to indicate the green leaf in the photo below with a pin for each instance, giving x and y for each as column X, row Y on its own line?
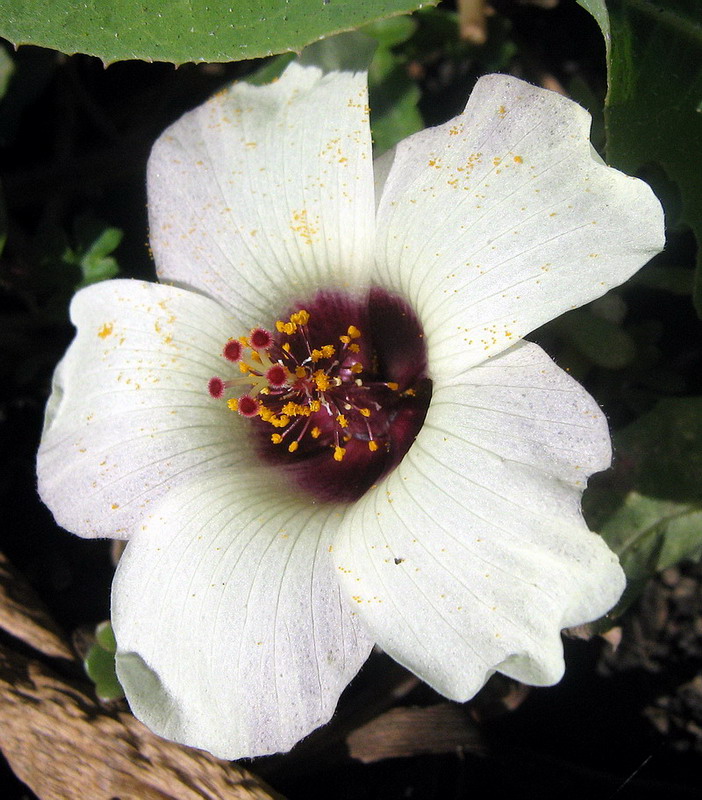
column 650, row 535
column 600, row 340
column 654, row 103
column 181, row 31
column 676, row 280
column 7, row 68
column 105, row 636
column 598, row 9
column 660, row 455
column 99, row 664
column 392, row 31
column 95, row 243
column 648, row 507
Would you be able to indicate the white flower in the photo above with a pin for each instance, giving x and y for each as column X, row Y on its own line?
column 257, row 576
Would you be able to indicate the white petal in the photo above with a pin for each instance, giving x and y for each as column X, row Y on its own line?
column 130, row 414
column 501, row 219
column 473, row 554
column 232, row 632
column 522, row 407
column 265, row 193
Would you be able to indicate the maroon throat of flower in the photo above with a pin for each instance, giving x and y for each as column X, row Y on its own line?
column 336, row 392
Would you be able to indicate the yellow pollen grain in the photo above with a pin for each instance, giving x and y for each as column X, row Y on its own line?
column 106, row 330
column 315, row 432
column 393, row 386
column 321, row 380
column 292, row 447
column 232, row 404
column 339, row 453
column 343, row 422
column 300, row 317
column 372, row 446
column 353, row 332
column 365, row 412
column 518, row 160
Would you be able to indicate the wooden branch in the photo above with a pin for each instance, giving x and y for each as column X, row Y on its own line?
column 401, row 732
column 24, row 616
column 65, row 745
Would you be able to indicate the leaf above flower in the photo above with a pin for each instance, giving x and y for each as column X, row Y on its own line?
column 163, row 30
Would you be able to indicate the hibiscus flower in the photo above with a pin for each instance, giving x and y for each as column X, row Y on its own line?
column 322, row 429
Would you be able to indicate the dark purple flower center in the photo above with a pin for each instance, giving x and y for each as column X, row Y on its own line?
column 337, row 393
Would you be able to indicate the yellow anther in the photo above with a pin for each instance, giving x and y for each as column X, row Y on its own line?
column 321, row 380
column 286, row 347
column 353, row 332
column 300, row 317
column 232, row 404
column 244, row 340
column 276, row 438
column 244, row 367
column 343, row 422
column 339, row 453
column 328, row 350
column 315, row 405
column 372, row 446
column 315, row 355
column 255, row 356
column 280, row 326
column 355, row 348
column 357, row 368
column 315, row 432
column 393, row 386
column 365, row 412
column 290, row 409
column 345, row 339
column 292, row 447
column 300, row 372
column 409, row 393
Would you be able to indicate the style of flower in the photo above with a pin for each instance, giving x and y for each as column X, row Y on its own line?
column 323, row 429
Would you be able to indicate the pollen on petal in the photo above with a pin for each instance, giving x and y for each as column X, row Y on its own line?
column 232, row 350
column 215, row 387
